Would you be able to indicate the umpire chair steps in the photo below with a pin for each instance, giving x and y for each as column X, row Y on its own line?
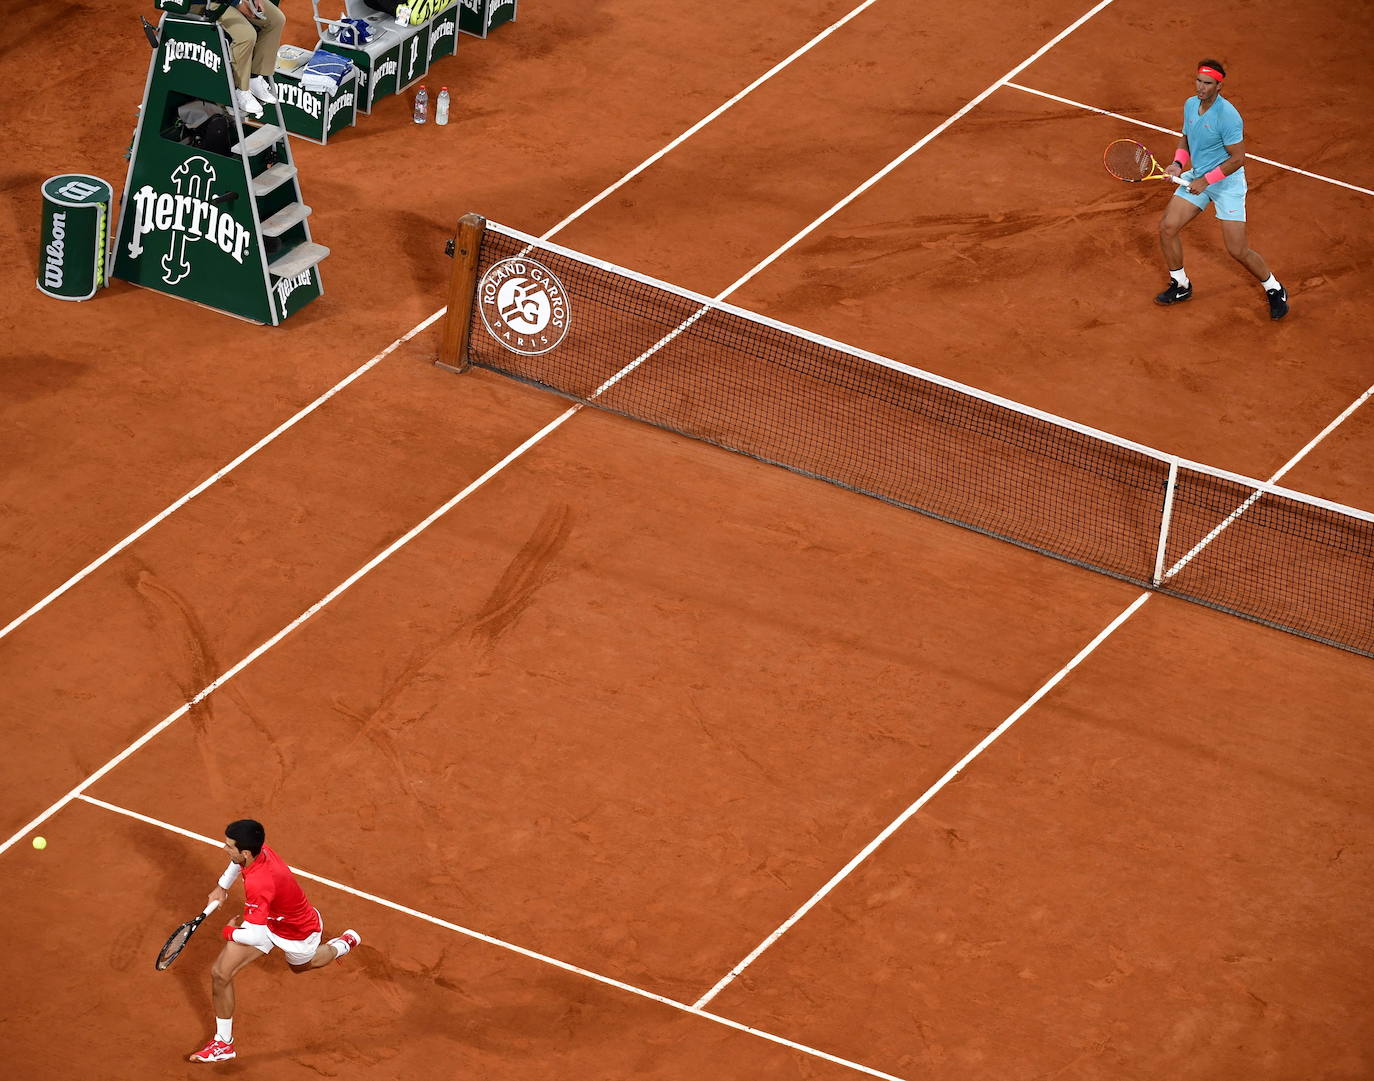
column 196, row 224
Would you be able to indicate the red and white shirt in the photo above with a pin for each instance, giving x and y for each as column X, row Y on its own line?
column 274, row 899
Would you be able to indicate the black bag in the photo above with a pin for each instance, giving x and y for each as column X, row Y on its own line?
column 215, row 135
column 388, row 6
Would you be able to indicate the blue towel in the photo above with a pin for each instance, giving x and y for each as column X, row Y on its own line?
column 354, row 32
column 325, row 71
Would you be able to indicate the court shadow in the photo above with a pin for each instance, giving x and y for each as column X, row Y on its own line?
column 178, row 898
column 26, row 377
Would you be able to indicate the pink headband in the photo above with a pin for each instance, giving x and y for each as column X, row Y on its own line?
column 1213, row 72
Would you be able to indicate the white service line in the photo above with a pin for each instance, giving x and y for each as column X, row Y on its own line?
column 1170, row 131
column 86, row 571
column 929, row 794
column 608, row 981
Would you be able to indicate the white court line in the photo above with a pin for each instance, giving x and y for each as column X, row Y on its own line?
column 1250, row 501
column 218, row 474
column 543, row 958
column 533, row 440
column 1170, row 131
column 901, row 158
column 86, row 571
column 362, row 571
column 987, row 740
column 711, row 116
column 929, row 794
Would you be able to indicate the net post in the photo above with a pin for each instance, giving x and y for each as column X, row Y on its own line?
column 466, row 247
column 1164, row 520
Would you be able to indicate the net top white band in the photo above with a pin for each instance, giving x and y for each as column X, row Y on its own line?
column 930, row 377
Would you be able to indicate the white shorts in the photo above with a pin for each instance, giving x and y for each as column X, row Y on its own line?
column 298, row 951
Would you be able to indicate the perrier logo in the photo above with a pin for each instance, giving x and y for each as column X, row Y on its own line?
column 186, row 216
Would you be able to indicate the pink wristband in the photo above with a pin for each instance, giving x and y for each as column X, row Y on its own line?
column 1215, row 176
column 1182, row 157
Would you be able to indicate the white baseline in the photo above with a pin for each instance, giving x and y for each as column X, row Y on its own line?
column 609, row 981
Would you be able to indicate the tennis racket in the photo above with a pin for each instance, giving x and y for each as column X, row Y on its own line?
column 182, row 935
column 1128, row 160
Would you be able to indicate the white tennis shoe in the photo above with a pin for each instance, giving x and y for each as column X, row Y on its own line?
column 261, row 88
column 247, row 103
column 348, row 940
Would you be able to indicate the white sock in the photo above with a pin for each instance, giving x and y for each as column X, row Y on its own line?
column 1179, row 277
column 340, row 947
column 1270, row 282
column 224, row 1029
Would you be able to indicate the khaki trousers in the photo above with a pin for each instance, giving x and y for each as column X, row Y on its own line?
column 253, row 43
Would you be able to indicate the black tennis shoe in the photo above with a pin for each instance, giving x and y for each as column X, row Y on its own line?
column 1176, row 294
column 1278, row 302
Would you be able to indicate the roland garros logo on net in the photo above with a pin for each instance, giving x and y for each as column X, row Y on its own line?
column 524, row 306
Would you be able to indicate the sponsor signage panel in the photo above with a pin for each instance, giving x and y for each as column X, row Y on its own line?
column 480, row 17
column 313, row 114
column 443, row 33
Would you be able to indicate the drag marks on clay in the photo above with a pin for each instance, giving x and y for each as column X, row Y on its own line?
column 530, row 569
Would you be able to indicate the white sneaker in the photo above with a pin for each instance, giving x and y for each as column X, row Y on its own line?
column 247, row 104
column 350, row 939
column 261, row 88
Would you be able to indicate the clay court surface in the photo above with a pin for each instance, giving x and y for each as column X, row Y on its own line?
column 634, row 701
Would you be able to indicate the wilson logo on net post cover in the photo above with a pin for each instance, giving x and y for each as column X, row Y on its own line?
column 524, row 306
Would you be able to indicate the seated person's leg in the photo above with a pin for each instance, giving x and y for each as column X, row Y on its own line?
column 269, row 39
column 242, row 37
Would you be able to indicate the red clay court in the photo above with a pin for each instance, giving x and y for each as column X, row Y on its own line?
column 631, row 757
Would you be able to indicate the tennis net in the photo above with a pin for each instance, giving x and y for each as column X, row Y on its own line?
column 626, row 343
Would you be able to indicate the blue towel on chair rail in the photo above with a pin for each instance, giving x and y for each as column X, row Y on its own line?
column 325, row 71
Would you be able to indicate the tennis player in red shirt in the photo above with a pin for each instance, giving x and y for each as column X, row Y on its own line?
column 275, row 914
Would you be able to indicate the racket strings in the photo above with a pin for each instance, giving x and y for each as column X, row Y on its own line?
column 1128, row 160
column 174, row 945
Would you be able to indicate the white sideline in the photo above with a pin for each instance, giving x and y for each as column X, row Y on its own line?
column 608, row 981
column 929, row 794
column 896, row 162
column 208, row 481
column 219, row 681
column 1171, row 131
column 86, row 571
column 711, row 116
column 987, row 740
column 538, row 436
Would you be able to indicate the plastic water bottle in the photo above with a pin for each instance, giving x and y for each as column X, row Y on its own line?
column 422, row 106
column 441, row 107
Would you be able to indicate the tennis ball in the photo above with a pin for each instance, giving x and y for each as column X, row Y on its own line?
column 40, row 843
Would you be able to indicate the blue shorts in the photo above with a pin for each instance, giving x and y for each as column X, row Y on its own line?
column 1228, row 195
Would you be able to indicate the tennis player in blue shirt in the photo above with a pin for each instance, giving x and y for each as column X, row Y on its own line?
column 1211, row 157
